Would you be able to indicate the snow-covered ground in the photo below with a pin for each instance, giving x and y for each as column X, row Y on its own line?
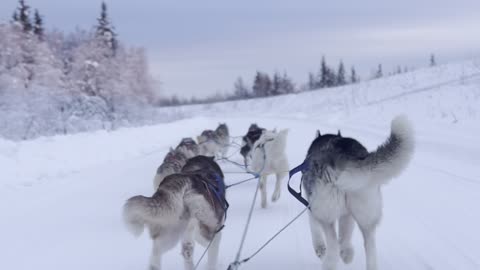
column 61, row 197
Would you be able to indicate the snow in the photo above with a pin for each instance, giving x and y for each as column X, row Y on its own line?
column 61, row 196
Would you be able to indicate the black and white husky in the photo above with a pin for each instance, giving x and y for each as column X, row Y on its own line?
column 189, row 206
column 223, row 139
column 343, row 183
column 172, row 163
column 253, row 134
column 268, row 156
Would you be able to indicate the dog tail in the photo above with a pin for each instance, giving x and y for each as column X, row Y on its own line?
column 387, row 161
column 159, row 209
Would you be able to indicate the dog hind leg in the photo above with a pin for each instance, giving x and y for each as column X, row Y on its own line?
column 331, row 258
column 317, row 237
column 368, row 233
column 278, row 186
column 345, row 231
column 213, row 251
column 160, row 246
column 188, row 245
column 263, row 190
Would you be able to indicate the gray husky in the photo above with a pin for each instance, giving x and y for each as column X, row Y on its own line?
column 208, row 143
column 343, row 183
column 172, row 163
column 223, row 139
column 190, row 206
column 188, row 147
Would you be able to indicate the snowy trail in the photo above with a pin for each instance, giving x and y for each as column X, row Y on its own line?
column 72, row 220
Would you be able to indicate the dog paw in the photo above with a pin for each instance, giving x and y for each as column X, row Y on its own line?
column 153, row 267
column 346, row 254
column 264, row 204
column 275, row 196
column 329, row 265
column 187, row 251
column 320, row 251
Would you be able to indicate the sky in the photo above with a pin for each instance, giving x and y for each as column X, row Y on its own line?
column 198, row 48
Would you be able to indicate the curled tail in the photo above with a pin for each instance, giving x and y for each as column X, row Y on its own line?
column 160, row 209
column 387, row 161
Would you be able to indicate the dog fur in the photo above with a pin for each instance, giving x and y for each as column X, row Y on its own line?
column 253, row 134
column 208, row 143
column 268, row 157
column 188, row 147
column 343, row 183
column 172, row 163
column 184, row 207
column 223, row 139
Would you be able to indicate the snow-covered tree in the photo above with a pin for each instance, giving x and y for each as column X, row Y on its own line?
column 240, row 89
column 353, row 75
column 105, row 30
column 433, row 62
column 340, row 78
column 262, row 85
column 38, row 25
column 23, row 16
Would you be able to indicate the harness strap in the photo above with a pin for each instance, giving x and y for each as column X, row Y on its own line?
column 218, row 194
column 298, row 195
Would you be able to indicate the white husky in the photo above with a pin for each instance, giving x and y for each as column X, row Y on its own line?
column 343, row 183
column 268, row 157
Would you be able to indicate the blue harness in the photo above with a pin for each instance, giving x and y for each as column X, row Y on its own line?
column 218, row 190
column 298, row 194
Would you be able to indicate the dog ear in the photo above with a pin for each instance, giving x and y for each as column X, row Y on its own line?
column 212, row 158
column 171, row 149
column 339, row 133
column 318, row 133
column 275, row 130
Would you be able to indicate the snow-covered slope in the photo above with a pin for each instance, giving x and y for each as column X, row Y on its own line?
column 61, row 197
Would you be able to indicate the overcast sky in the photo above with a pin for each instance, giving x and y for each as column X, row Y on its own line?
column 201, row 47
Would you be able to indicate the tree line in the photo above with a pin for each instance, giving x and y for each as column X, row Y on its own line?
column 54, row 82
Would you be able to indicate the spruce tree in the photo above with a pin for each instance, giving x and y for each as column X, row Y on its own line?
column 105, row 30
column 353, row 76
column 38, row 25
column 433, row 62
column 323, row 74
column 15, row 17
column 24, row 16
column 379, row 72
column 312, row 84
column 341, row 75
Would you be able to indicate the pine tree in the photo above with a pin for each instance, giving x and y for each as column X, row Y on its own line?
column 341, row 75
column 276, row 84
column 262, row 85
column 324, row 70
column 241, row 90
column 286, row 85
column 105, row 30
column 24, row 16
column 433, row 62
column 15, row 17
column 311, row 81
column 379, row 72
column 38, row 26
column 353, row 76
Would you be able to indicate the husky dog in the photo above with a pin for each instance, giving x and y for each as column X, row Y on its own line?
column 269, row 157
column 188, row 147
column 343, row 183
column 172, row 163
column 253, row 134
column 223, row 138
column 190, row 206
column 208, row 143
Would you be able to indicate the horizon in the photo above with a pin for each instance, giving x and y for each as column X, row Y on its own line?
column 200, row 50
